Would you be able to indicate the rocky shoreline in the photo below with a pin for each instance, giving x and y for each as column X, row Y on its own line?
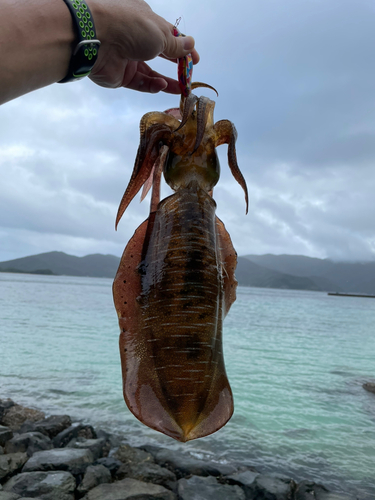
column 53, row 458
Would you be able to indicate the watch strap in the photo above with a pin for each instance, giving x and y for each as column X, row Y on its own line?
column 85, row 53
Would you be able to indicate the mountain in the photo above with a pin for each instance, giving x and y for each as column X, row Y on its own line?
column 297, row 265
column 250, row 274
column 348, row 277
column 95, row 265
column 295, row 272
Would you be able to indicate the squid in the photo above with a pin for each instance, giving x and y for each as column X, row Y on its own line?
column 175, row 282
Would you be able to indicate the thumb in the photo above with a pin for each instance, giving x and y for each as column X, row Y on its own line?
column 178, row 46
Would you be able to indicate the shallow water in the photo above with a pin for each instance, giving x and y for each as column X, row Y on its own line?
column 296, row 362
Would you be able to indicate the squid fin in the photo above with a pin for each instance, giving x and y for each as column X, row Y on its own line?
column 228, row 258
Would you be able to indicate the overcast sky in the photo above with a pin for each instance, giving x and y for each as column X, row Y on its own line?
column 296, row 77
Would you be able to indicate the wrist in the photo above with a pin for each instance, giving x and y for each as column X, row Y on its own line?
column 85, row 52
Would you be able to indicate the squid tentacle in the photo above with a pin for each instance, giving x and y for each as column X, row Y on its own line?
column 195, row 85
column 156, row 178
column 148, row 153
column 226, row 133
column 189, row 105
column 154, row 127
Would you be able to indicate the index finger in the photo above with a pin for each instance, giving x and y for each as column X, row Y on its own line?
column 194, row 55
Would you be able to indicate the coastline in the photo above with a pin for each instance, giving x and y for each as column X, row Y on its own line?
column 54, row 458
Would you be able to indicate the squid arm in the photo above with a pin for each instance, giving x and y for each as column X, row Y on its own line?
column 155, row 127
column 226, row 133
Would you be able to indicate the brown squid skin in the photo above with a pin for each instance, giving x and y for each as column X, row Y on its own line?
column 175, row 282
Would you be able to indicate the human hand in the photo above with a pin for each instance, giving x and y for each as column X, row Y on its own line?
column 131, row 33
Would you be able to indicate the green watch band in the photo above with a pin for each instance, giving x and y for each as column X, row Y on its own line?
column 86, row 52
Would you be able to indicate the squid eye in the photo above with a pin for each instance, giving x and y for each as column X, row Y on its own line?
column 161, row 144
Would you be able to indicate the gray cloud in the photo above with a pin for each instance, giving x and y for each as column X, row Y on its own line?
column 296, row 78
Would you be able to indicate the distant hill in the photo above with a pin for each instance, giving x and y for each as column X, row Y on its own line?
column 349, row 277
column 297, row 265
column 295, row 272
column 250, row 274
column 95, row 265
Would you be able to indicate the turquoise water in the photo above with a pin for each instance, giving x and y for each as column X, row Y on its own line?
column 296, row 362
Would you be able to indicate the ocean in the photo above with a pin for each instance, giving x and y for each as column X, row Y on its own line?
column 296, row 362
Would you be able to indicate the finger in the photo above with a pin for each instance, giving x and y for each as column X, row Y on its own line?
column 194, row 55
column 144, row 79
column 178, row 46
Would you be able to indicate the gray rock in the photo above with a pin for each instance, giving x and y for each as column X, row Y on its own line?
column 98, row 447
column 50, row 426
column 243, row 478
column 307, row 490
column 5, row 404
column 66, row 459
column 184, row 465
column 369, row 386
column 1, row 450
column 128, row 455
column 147, row 472
column 130, row 489
column 30, row 442
column 11, row 463
column 271, row 488
column 45, row 485
column 5, row 434
column 94, row 475
column 16, row 415
column 73, row 432
column 9, row 496
column 204, row 488
column 112, row 464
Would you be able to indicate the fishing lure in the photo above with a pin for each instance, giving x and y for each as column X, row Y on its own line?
column 184, row 67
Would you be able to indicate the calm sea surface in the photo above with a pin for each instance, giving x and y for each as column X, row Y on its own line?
column 296, row 362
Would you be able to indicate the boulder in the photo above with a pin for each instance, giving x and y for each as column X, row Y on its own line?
column 1, row 450
column 185, row 465
column 45, row 485
column 369, row 386
column 50, row 426
column 204, row 488
column 270, row 487
column 30, row 442
column 307, row 490
column 73, row 432
column 16, row 415
column 10, row 496
column 243, row 478
column 11, row 463
column 112, row 464
column 128, row 455
column 130, row 489
column 147, row 472
column 5, row 434
column 5, row 404
column 94, row 475
column 98, row 447
column 65, row 459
